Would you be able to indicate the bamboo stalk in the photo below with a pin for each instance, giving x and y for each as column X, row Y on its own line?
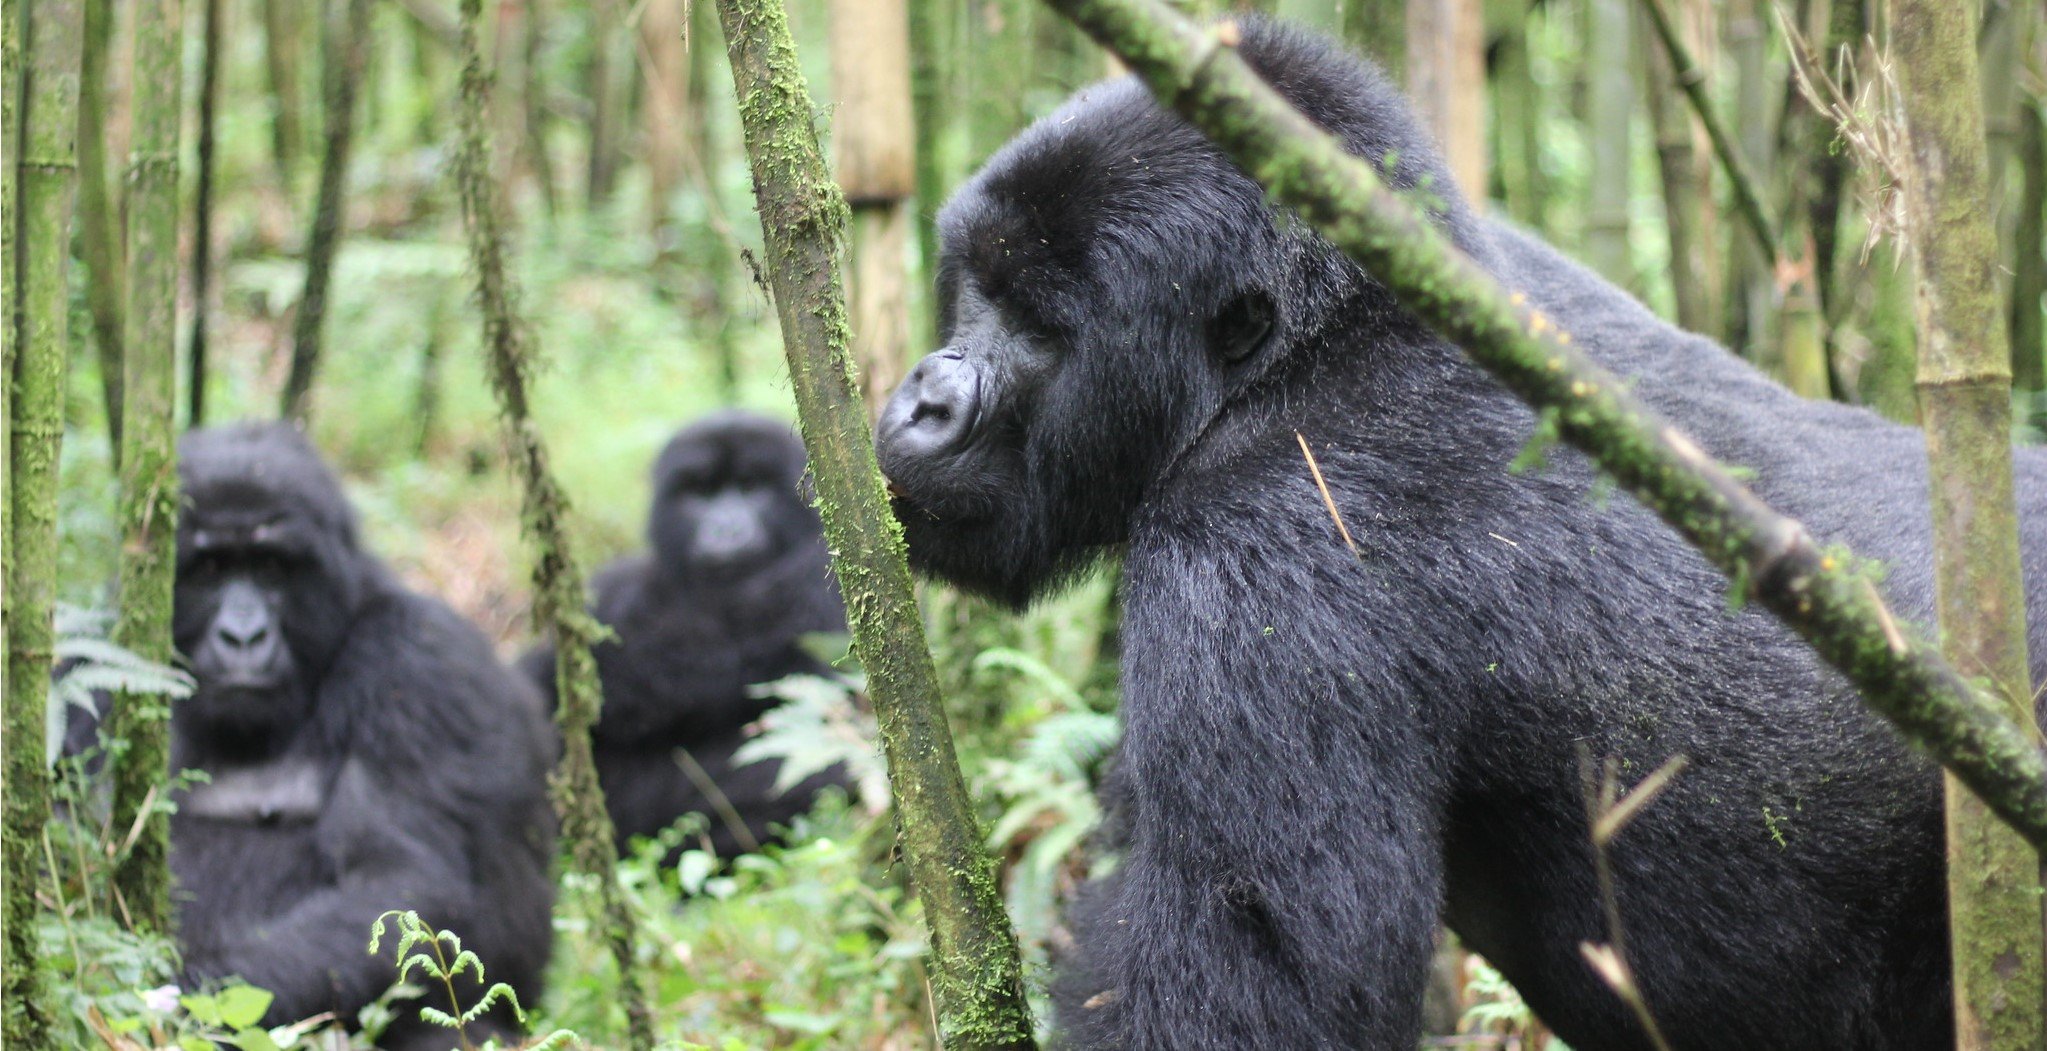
column 48, row 170
column 99, row 216
column 1994, row 906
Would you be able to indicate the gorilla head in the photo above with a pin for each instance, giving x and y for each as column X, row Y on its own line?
column 269, row 578
column 726, row 501
column 1106, row 254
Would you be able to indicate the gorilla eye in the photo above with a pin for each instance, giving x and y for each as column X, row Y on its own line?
column 1240, row 328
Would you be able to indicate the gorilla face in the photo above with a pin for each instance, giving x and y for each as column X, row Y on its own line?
column 727, row 498
column 1091, row 333
column 268, row 577
column 1112, row 288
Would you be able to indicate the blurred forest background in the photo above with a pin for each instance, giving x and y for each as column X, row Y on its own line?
column 617, row 143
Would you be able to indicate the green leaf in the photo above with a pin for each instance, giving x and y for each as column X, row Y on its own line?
column 254, row 1040
column 242, row 1006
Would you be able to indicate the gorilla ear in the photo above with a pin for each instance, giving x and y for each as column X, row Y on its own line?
column 1241, row 327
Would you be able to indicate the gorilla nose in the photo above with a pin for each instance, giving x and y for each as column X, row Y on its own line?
column 934, row 409
column 245, row 639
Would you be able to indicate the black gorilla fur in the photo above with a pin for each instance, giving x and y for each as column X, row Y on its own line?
column 737, row 574
column 1324, row 753
column 367, row 751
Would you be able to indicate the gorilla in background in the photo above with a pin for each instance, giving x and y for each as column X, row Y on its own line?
column 365, row 748
column 1326, row 752
column 737, row 575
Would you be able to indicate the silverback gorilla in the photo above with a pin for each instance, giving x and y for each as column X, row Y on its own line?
column 737, row 575
column 366, row 751
column 1324, row 753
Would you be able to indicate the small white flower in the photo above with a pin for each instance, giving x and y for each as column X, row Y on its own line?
column 161, row 1000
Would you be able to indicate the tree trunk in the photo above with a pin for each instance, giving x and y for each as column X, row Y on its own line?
column 609, row 85
column 282, row 54
column 557, row 579
column 149, row 470
column 1965, row 394
column 344, row 74
column 1609, row 114
column 99, row 215
column 668, row 111
column 1446, row 77
column 202, row 225
column 930, row 74
column 51, row 54
column 1750, row 295
column 18, row 975
column 2029, row 269
column 1517, row 124
column 976, row 973
column 535, row 99
column 1684, row 196
column 874, row 148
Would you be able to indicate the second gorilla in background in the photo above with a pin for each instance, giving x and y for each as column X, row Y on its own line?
column 736, row 576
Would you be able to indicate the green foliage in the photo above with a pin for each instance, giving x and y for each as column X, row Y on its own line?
column 437, row 957
column 90, row 664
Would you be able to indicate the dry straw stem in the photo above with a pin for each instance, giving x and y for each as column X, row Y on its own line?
column 1328, row 501
column 1821, row 595
column 1869, row 123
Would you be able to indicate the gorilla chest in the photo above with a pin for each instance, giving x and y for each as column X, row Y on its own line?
column 246, row 843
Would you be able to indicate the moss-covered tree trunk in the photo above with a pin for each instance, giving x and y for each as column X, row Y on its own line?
column 45, row 179
column 99, row 216
column 874, row 145
column 149, row 469
column 344, row 74
column 557, row 578
column 1965, row 396
column 977, row 974
column 1825, row 596
column 16, row 897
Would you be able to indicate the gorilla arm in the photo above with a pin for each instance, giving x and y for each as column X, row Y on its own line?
column 1282, row 880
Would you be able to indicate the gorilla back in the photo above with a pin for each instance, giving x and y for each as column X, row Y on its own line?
column 366, row 751
column 1324, row 751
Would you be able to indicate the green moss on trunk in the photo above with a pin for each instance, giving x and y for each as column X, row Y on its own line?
column 557, row 579
column 149, row 469
column 45, row 180
column 977, row 974
column 1965, row 397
